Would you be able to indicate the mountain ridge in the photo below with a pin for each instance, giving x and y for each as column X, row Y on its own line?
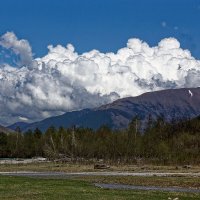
column 171, row 104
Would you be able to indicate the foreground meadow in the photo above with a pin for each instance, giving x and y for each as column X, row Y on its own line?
column 21, row 188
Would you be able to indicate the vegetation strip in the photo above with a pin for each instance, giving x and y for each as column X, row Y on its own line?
column 165, row 143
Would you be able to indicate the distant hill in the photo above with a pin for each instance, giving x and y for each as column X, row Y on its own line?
column 22, row 125
column 5, row 130
column 171, row 104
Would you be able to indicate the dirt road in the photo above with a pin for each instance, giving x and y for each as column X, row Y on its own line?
column 102, row 173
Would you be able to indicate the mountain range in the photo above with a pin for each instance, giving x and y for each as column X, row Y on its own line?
column 170, row 104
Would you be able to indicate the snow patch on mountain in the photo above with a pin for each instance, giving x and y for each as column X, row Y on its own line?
column 190, row 93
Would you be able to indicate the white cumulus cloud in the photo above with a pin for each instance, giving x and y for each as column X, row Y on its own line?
column 20, row 47
column 64, row 80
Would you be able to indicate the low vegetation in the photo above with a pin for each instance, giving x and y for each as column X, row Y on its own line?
column 52, row 166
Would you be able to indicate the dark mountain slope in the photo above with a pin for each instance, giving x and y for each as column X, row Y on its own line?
column 171, row 104
column 22, row 125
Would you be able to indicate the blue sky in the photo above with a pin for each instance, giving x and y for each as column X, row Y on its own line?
column 105, row 25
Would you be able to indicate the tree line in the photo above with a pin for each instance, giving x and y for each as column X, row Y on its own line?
column 160, row 142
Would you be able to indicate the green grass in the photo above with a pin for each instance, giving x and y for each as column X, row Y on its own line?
column 19, row 188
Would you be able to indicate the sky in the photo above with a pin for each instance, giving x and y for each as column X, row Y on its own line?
column 105, row 25
column 60, row 56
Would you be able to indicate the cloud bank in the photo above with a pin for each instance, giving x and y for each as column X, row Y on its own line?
column 64, row 80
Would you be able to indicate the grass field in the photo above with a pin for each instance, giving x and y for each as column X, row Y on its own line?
column 20, row 188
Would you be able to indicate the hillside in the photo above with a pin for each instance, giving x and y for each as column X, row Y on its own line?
column 5, row 130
